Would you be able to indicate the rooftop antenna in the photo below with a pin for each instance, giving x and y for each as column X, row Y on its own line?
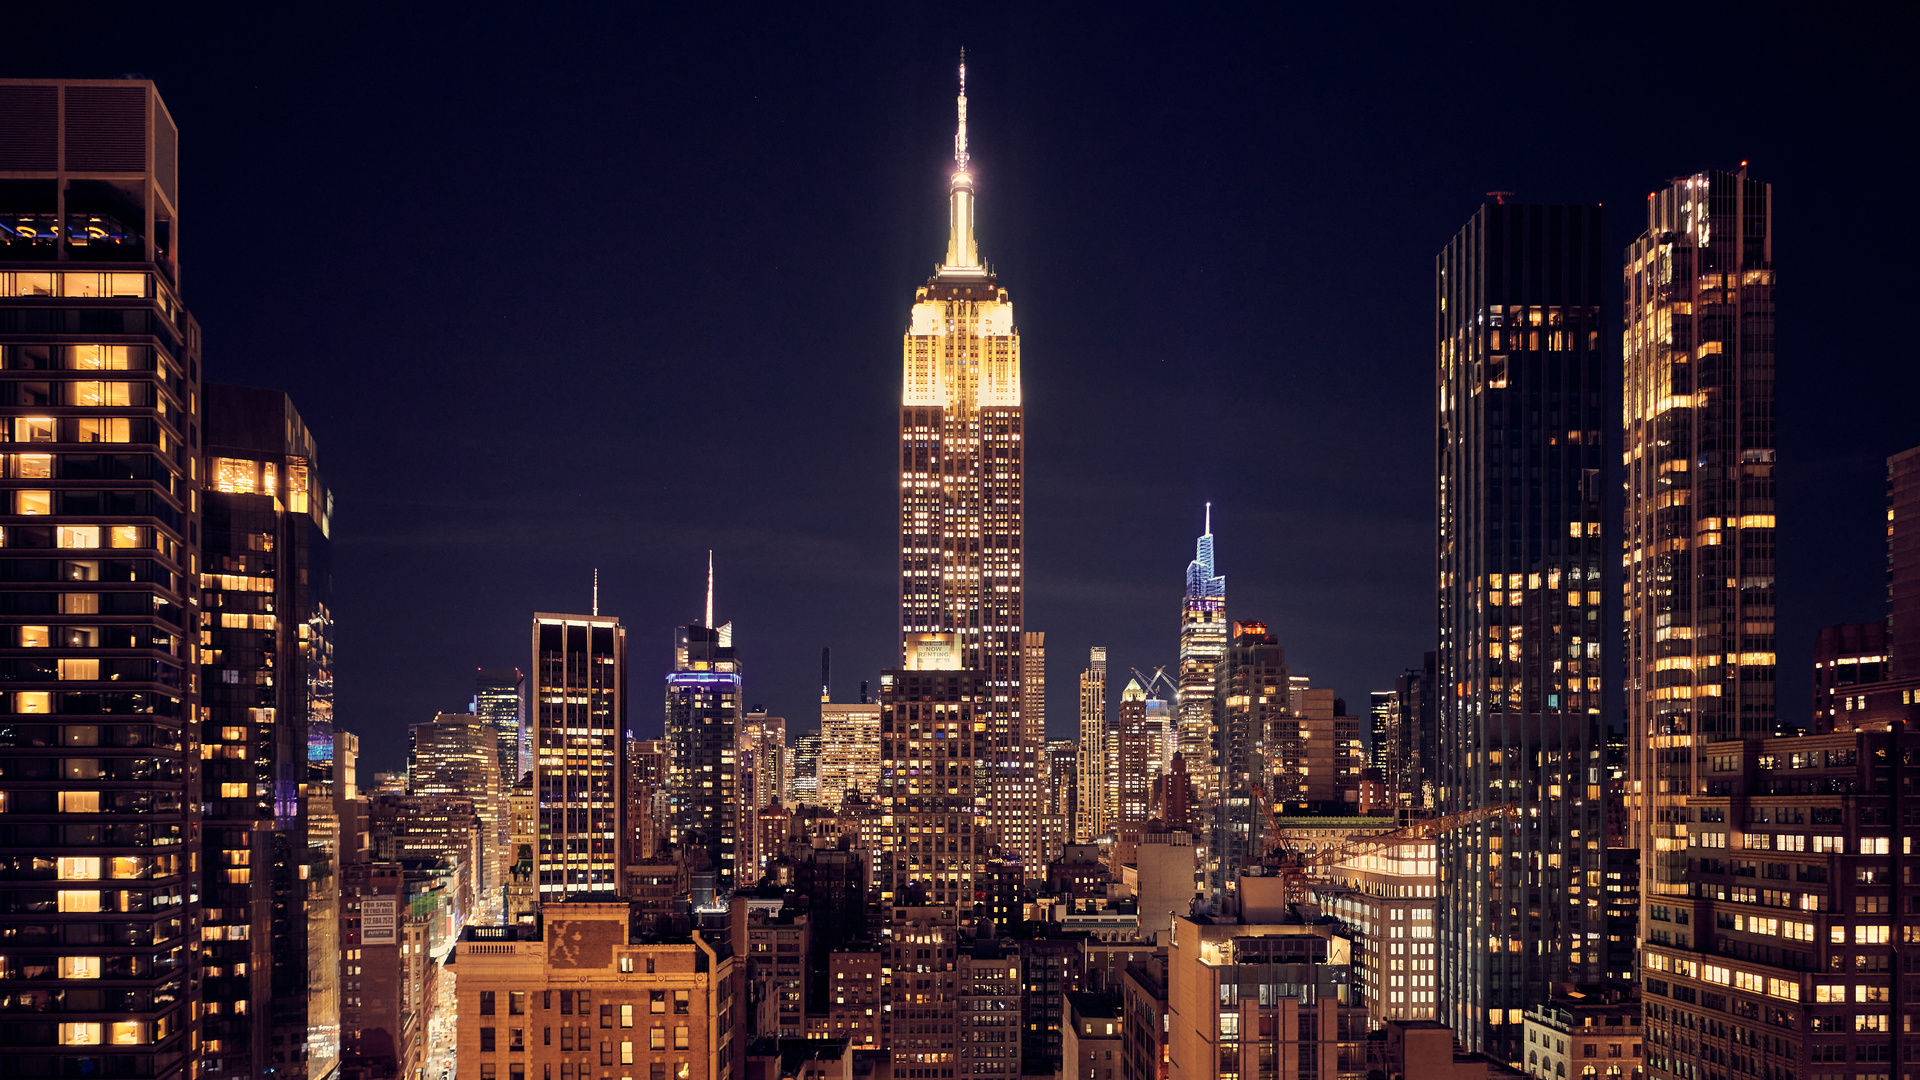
column 960, row 136
column 596, row 592
column 709, row 622
column 1500, row 197
column 1209, row 528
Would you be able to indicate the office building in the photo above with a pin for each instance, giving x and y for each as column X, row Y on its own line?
column 499, row 698
column 930, row 806
column 1796, row 923
column 804, row 788
column 384, row 968
column 1203, row 640
column 849, row 760
column 458, row 755
column 1091, row 817
column 855, row 1006
column 924, row 993
column 760, row 755
column 1138, row 753
column 1521, row 381
column 1699, row 453
column 267, row 688
column 579, row 693
column 703, row 714
column 962, row 504
column 1252, row 697
column 101, row 621
column 1060, row 795
column 1410, row 775
column 1331, row 756
column 583, row 995
column 988, row 1008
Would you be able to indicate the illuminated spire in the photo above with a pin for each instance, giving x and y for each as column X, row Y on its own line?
column 709, row 622
column 596, row 592
column 962, row 254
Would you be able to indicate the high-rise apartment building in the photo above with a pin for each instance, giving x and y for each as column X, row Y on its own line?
column 1410, row 776
column 267, row 687
column 1252, row 696
column 849, row 760
column 804, row 788
column 1090, row 820
column 1699, row 453
column 1061, row 795
column 962, row 500
column 1521, row 376
column 1203, row 640
column 579, row 696
column 499, row 698
column 703, row 713
column 99, row 616
column 760, row 755
column 1791, row 950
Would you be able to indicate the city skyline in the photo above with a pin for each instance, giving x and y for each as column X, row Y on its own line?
column 844, row 121
column 214, row 867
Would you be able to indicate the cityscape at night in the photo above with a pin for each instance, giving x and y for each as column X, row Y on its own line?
column 534, row 545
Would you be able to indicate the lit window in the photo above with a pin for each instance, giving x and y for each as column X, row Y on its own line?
column 76, row 536
column 103, row 430
column 129, row 1032
column 79, row 868
column 129, row 536
column 80, row 967
column 35, row 637
column 85, row 670
column 31, row 429
column 112, row 394
column 33, row 701
column 88, row 1034
column 33, row 466
column 80, row 900
column 79, row 802
column 33, row 501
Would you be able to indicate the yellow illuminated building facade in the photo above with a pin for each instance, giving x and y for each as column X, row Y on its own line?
column 1090, row 818
column 961, row 506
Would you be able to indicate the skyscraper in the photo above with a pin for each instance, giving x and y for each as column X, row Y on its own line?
column 703, row 707
column 267, row 685
column 1090, row 819
column 499, row 699
column 929, row 721
column 1699, row 490
column 458, row 755
column 849, row 756
column 1520, row 380
column 579, row 768
column 962, row 493
column 760, row 755
column 1253, row 694
column 100, row 610
column 1203, row 638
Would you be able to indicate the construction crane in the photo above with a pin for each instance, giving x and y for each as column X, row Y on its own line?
column 1147, row 683
column 1293, row 865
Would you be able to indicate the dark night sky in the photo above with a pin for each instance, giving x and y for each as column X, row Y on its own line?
column 562, row 288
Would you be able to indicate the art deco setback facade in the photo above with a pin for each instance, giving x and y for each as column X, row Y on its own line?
column 962, row 504
column 1520, row 392
column 99, row 518
column 1699, row 455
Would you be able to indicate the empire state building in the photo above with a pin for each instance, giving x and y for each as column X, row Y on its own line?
column 961, row 514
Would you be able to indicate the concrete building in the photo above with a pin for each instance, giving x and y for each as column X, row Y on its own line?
column 923, row 993
column 773, row 947
column 1144, row 1022
column 1388, row 899
column 1795, row 917
column 1248, row 1000
column 988, row 1011
column 1584, row 1036
column 582, row 995
column 855, row 1006
column 1092, row 1038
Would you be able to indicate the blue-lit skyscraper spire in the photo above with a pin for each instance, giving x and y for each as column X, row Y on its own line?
column 1203, row 640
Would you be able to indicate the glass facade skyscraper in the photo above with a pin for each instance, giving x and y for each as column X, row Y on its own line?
column 579, row 769
column 99, row 610
column 1203, row 638
column 499, row 698
column 703, row 716
column 266, row 631
column 1699, row 544
column 1521, row 394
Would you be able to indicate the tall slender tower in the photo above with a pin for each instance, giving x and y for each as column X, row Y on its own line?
column 1520, row 380
column 1090, row 819
column 1203, row 640
column 101, row 767
column 580, row 746
column 1699, row 542
column 961, row 505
